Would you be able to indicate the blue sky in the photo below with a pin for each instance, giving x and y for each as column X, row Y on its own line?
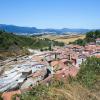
column 51, row 13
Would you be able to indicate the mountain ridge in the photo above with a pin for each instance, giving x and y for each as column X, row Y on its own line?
column 32, row 30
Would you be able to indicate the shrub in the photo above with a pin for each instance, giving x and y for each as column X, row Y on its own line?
column 88, row 71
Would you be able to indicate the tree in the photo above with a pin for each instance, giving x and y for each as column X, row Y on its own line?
column 92, row 35
column 80, row 42
column 1, row 96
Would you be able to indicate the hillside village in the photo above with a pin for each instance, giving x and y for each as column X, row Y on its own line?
column 23, row 73
column 49, row 50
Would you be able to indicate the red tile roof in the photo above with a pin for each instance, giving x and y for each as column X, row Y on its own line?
column 64, row 60
column 66, row 72
column 98, row 39
column 54, row 63
column 8, row 95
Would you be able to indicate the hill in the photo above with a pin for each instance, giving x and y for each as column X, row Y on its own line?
column 32, row 30
column 18, row 29
column 10, row 42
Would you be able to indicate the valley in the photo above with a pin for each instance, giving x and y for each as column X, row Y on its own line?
column 48, row 68
column 63, row 38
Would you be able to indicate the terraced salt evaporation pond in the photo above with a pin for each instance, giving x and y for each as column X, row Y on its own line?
column 16, row 70
column 37, row 67
column 9, row 80
column 10, row 77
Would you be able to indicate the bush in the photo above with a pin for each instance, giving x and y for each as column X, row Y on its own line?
column 80, row 42
column 0, row 96
column 89, row 71
column 92, row 35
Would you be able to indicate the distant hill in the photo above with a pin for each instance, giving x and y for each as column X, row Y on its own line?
column 9, row 40
column 18, row 29
column 14, row 45
column 34, row 30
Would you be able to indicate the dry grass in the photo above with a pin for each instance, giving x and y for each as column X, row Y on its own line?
column 63, row 90
column 64, row 38
column 4, row 54
column 71, row 92
column 70, row 38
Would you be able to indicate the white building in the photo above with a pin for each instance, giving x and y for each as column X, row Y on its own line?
column 98, row 41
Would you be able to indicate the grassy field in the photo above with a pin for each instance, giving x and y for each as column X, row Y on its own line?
column 64, row 38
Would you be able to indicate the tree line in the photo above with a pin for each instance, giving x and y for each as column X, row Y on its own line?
column 90, row 37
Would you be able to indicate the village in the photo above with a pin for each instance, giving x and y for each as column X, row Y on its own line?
column 40, row 67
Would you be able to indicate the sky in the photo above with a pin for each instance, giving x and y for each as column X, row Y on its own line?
column 51, row 13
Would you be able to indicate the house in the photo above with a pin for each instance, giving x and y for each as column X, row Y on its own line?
column 65, row 72
column 96, row 54
column 98, row 41
column 98, row 48
column 80, row 59
column 90, row 48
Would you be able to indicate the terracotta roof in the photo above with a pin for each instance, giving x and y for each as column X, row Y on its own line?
column 8, row 95
column 73, row 71
column 98, row 47
column 54, row 63
column 66, row 72
column 64, row 60
column 98, row 39
column 98, row 56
